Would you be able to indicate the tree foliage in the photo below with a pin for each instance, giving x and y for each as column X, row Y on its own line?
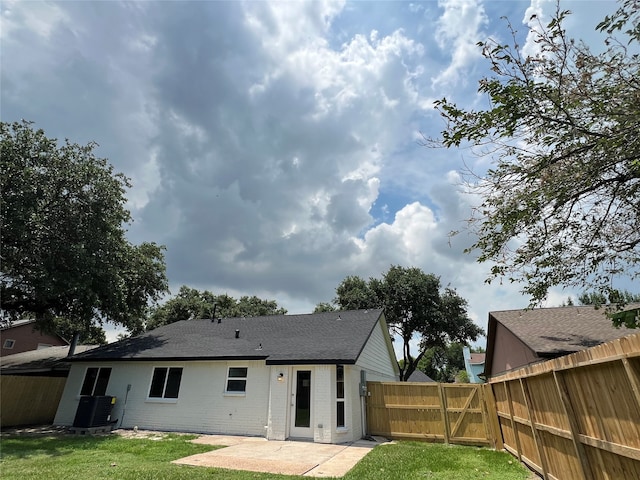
column 561, row 202
column 93, row 335
column 443, row 364
column 324, row 307
column 613, row 301
column 191, row 303
column 614, row 297
column 416, row 309
column 64, row 248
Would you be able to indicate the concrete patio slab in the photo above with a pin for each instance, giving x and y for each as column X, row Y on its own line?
column 284, row 457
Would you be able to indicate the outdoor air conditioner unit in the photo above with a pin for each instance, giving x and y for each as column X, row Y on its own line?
column 94, row 411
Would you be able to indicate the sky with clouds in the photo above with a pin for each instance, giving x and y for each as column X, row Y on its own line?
column 275, row 147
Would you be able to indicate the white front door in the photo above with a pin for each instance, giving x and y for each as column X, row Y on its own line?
column 301, row 404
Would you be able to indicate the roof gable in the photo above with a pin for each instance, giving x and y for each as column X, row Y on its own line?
column 328, row 337
column 420, row 376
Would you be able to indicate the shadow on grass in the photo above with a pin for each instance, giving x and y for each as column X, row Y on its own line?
column 21, row 447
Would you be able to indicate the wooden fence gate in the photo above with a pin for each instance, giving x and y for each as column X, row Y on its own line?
column 437, row 412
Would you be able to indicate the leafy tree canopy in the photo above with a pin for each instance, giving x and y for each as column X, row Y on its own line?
column 415, row 307
column 612, row 301
column 443, row 364
column 324, row 307
column 191, row 303
column 64, row 248
column 561, row 202
column 93, row 335
column 614, row 297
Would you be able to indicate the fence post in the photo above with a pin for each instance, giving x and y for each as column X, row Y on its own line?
column 491, row 410
column 443, row 412
column 563, row 391
column 634, row 379
column 514, row 425
column 536, row 438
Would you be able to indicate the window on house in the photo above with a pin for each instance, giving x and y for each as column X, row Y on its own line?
column 8, row 343
column 165, row 382
column 95, row 381
column 237, row 380
column 340, row 396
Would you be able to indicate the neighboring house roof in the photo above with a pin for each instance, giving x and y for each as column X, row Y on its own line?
column 553, row 332
column 327, row 337
column 477, row 358
column 419, row 376
column 16, row 323
column 23, row 335
column 39, row 361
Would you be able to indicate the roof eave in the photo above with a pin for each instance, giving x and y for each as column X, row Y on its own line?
column 306, row 361
column 168, row 359
column 491, row 338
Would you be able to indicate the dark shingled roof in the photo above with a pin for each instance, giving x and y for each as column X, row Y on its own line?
column 420, row 376
column 551, row 332
column 50, row 359
column 328, row 337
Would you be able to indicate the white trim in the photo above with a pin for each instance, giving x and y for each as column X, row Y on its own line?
column 163, row 399
column 236, row 393
column 160, row 400
column 342, row 399
column 95, row 381
column 302, row 432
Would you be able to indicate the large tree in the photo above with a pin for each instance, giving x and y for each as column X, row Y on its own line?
column 190, row 303
column 615, row 296
column 416, row 309
column 561, row 203
column 64, row 246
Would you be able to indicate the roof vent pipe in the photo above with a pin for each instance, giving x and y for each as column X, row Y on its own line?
column 74, row 344
column 237, row 333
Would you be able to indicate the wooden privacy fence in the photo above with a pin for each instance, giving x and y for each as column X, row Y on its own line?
column 437, row 412
column 27, row 400
column 575, row 417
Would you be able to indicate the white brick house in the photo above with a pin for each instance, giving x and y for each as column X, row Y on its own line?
column 281, row 376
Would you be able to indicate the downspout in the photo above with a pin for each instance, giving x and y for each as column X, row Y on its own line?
column 362, row 391
column 269, row 403
column 363, row 416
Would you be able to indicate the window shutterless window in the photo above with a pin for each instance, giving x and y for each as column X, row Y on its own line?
column 237, row 379
column 165, row 382
column 95, row 381
column 8, row 343
column 340, row 396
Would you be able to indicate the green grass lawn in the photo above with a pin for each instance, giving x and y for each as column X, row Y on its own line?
column 418, row 460
column 115, row 457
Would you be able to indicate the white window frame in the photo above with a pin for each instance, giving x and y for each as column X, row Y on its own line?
column 236, row 393
column 95, row 381
column 163, row 398
column 9, row 343
column 341, row 400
